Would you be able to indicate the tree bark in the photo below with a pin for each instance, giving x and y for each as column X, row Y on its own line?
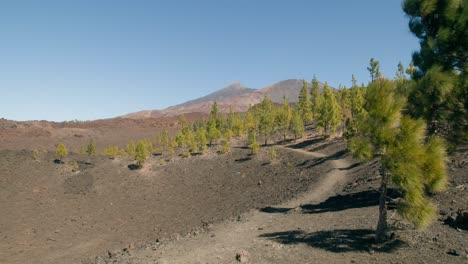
column 382, row 224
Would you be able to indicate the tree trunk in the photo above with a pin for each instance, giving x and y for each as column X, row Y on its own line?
column 266, row 141
column 382, row 224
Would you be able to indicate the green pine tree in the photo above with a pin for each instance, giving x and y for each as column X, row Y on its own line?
column 304, row 105
column 297, row 125
column 61, row 152
column 266, row 124
column 283, row 118
column 253, row 144
column 141, row 154
column 399, row 142
column 315, row 96
column 329, row 116
column 439, row 93
column 374, row 69
column 200, row 138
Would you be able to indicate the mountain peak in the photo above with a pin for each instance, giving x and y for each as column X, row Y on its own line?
column 232, row 90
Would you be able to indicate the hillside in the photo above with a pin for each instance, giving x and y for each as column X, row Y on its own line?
column 235, row 96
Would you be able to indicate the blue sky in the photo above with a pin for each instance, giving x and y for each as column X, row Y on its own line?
column 63, row 60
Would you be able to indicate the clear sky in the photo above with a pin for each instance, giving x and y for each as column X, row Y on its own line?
column 88, row 59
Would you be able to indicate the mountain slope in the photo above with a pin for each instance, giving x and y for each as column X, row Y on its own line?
column 235, row 96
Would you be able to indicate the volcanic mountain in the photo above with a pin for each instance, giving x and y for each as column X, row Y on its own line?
column 235, row 96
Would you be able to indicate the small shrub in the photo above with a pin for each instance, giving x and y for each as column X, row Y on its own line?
column 91, row 149
column 141, row 153
column 123, row 154
column 272, row 153
column 254, row 147
column 61, row 152
column 186, row 153
column 111, row 151
column 225, row 148
column 36, row 154
column 75, row 166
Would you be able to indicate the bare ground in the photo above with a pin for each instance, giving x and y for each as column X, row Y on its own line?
column 332, row 222
column 314, row 204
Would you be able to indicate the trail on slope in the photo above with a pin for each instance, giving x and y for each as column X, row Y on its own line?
column 226, row 239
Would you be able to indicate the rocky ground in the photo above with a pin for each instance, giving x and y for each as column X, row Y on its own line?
column 333, row 222
column 312, row 204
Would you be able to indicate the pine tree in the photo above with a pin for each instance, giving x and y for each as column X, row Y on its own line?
column 164, row 138
column 316, row 96
column 200, row 138
column 225, row 148
column 439, row 92
column 304, row 105
column 329, row 113
column 61, row 152
column 266, row 122
column 111, row 151
column 212, row 132
column 357, row 99
column 91, row 149
column 237, row 125
column 141, row 154
column 297, row 125
column 131, row 149
column 253, row 144
column 213, row 127
column 272, row 153
column 374, row 69
column 283, row 118
column 398, row 141
column 251, row 120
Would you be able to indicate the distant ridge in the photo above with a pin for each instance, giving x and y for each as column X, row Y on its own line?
column 235, row 96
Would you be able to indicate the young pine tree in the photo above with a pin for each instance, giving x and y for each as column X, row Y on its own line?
column 406, row 160
column 297, row 125
column 253, row 144
column 266, row 124
column 374, row 69
column 304, row 105
column 329, row 113
column 283, row 118
column 213, row 134
column 315, row 96
column 61, row 152
column 91, row 149
column 201, row 140
column 164, row 138
column 130, row 149
column 141, row 154
column 111, row 151
column 225, row 147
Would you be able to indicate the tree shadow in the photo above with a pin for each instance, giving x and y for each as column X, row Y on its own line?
column 306, row 143
column 57, row 161
column 350, row 201
column 338, row 155
column 338, row 240
column 242, row 160
column 352, row 166
column 342, row 202
column 323, row 146
column 275, row 210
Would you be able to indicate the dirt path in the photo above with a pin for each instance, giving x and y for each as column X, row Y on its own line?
column 226, row 239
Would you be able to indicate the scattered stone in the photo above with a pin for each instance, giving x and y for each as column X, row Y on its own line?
column 443, row 212
column 242, row 256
